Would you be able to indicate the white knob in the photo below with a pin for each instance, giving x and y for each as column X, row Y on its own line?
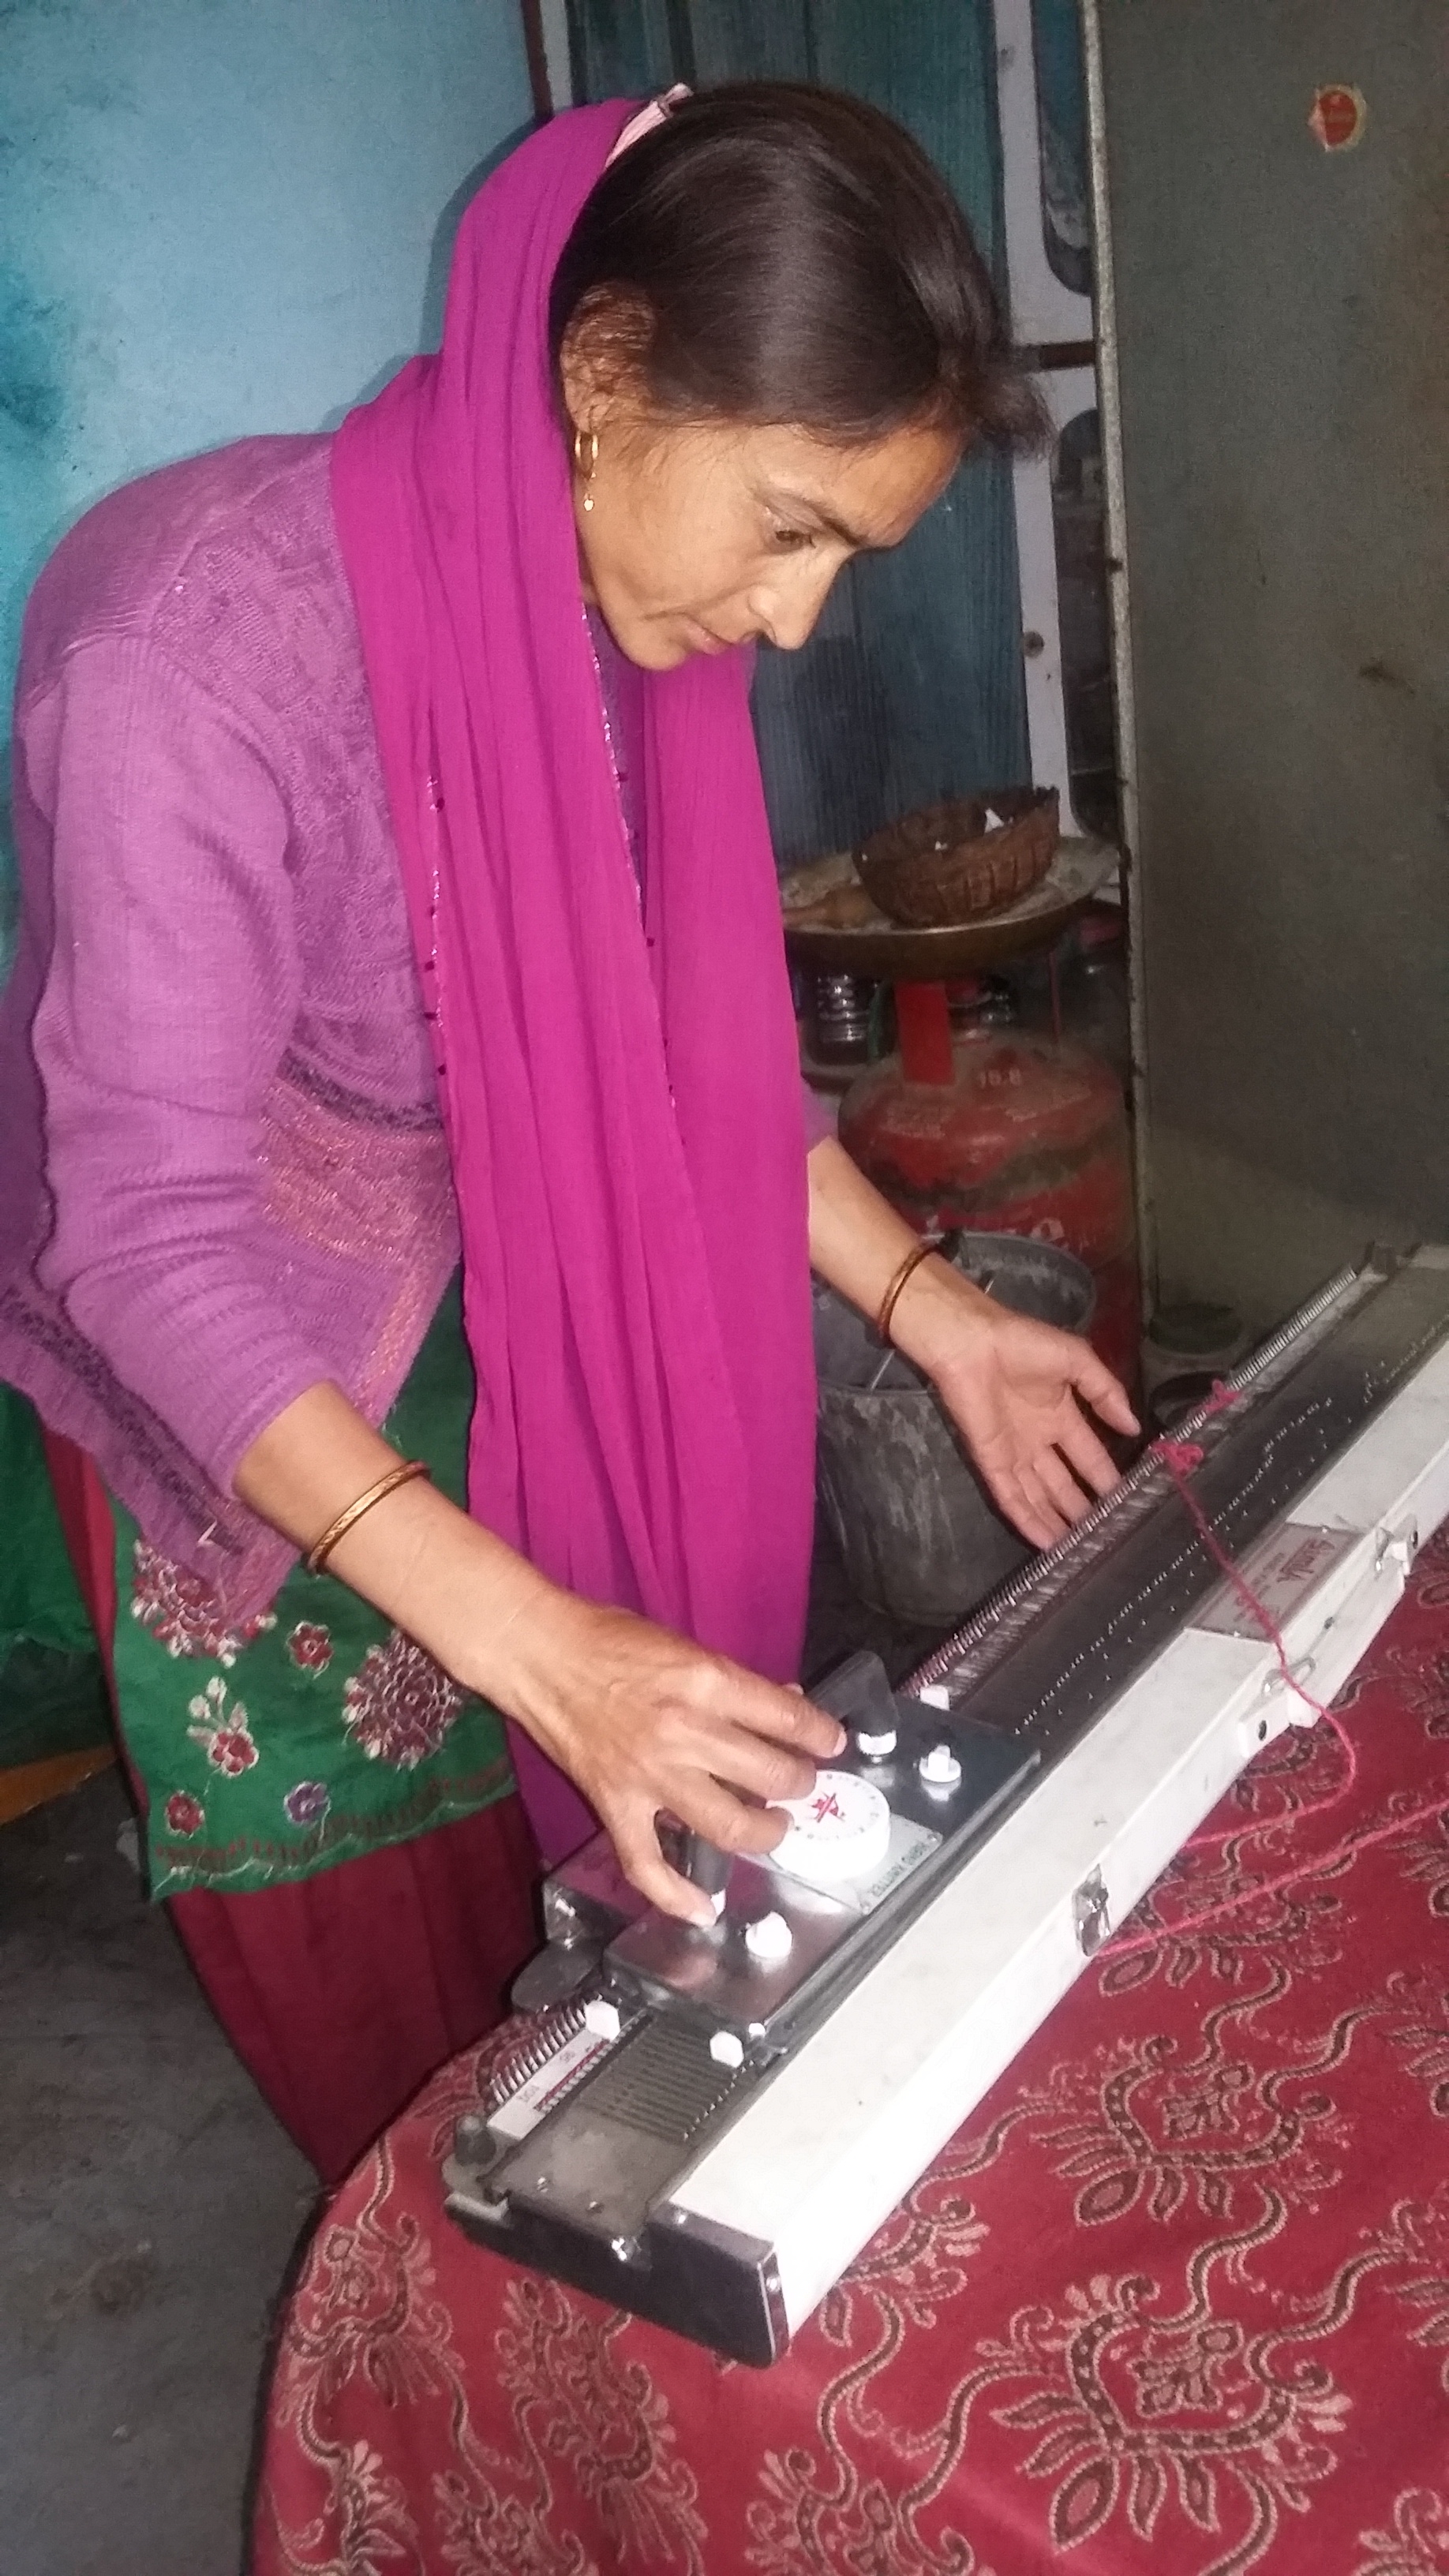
column 726, row 2050
column 602, row 2018
column 873, row 1747
column 939, row 1768
column 769, row 1939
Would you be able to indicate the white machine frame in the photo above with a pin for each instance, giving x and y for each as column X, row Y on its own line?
column 817, row 2164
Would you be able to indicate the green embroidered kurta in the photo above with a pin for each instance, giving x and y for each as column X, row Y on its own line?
column 317, row 1731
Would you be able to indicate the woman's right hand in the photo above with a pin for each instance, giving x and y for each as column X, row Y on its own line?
column 642, row 1719
column 639, row 1718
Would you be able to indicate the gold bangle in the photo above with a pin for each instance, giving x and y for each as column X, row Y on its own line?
column 918, row 1253
column 316, row 1556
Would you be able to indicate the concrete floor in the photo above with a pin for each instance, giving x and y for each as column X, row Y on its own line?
column 150, row 2206
column 148, row 2210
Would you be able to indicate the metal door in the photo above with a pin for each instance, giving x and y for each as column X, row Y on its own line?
column 1283, row 353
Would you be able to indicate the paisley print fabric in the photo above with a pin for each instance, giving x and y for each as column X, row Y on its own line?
column 1175, row 2302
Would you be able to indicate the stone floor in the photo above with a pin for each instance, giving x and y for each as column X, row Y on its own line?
column 149, row 2207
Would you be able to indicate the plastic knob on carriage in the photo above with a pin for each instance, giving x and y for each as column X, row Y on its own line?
column 726, row 2049
column 707, row 1868
column 768, row 1939
column 603, row 2018
column 841, row 1831
column 875, row 1744
column 939, row 1768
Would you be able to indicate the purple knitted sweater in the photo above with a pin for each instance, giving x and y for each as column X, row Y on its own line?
column 222, row 1173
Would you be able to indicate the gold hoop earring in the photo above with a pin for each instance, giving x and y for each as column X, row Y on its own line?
column 587, row 471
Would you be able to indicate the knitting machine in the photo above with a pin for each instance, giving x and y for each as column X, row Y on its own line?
column 705, row 2126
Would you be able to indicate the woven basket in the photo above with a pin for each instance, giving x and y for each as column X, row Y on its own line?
column 947, row 864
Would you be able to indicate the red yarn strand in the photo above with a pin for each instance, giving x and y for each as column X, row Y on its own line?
column 1182, row 1458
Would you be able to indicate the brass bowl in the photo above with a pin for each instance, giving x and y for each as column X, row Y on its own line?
column 949, row 864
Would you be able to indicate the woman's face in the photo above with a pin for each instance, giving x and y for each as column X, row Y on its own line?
column 708, row 535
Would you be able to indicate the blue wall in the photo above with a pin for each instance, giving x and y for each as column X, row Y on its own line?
column 224, row 216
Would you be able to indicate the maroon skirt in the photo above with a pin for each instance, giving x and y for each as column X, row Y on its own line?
column 342, row 1993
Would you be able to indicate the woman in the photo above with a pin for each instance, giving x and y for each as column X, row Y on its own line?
column 396, row 874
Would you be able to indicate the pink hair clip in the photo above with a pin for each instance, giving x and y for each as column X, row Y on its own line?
column 647, row 118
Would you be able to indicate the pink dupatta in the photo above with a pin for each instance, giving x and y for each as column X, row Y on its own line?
column 621, row 1097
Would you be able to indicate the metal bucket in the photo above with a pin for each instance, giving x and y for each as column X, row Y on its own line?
column 920, row 1537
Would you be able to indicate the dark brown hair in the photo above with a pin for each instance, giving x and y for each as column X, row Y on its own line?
column 775, row 253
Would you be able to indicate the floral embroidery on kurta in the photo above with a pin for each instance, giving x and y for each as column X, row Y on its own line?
column 182, row 1612
column 314, row 1733
column 224, row 1733
column 308, row 1803
column 399, row 1707
column 310, row 1646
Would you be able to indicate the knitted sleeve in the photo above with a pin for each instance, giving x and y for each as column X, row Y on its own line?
column 171, row 992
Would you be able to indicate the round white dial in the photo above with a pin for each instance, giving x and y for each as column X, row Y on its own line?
column 841, row 1831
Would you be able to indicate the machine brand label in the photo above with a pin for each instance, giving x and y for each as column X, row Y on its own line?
column 1282, row 1570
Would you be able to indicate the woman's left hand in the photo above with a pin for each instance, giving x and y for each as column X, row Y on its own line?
column 1015, row 1389
column 1012, row 1386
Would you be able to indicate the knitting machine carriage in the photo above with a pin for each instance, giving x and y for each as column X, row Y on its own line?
column 706, row 2126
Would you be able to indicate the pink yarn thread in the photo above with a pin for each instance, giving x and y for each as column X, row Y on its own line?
column 1300, row 1815
column 1181, row 1458
column 1416, row 1815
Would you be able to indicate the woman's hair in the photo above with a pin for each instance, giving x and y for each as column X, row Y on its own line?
column 774, row 253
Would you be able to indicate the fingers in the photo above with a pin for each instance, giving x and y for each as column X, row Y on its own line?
column 710, row 1740
column 708, row 1809
column 786, row 1715
column 748, row 1832
column 1042, row 1498
column 1019, row 1495
column 643, row 1720
column 1098, row 1387
column 747, row 1762
column 636, row 1842
column 1061, row 1487
column 1082, row 1449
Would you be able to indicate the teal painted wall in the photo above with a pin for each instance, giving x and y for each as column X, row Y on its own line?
column 222, row 217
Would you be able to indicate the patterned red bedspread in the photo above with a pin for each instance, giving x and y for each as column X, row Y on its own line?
column 1176, row 2299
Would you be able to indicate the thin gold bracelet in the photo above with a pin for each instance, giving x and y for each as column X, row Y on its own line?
column 918, row 1253
column 316, row 1556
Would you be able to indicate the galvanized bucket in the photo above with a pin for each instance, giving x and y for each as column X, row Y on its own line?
column 919, row 1535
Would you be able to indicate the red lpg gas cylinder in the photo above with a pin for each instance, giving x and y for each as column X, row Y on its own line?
column 1006, row 1133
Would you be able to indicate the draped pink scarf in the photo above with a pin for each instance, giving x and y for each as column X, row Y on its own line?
column 621, row 1095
